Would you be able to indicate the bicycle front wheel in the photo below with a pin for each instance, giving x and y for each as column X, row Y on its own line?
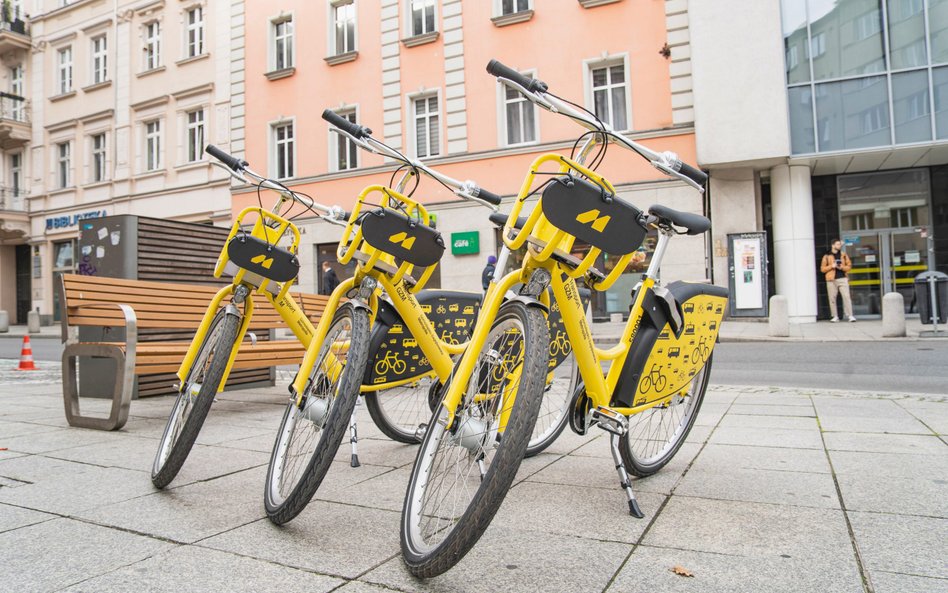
column 553, row 417
column 310, row 432
column 656, row 434
column 462, row 473
column 195, row 398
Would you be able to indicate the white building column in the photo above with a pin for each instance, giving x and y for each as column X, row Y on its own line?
column 794, row 248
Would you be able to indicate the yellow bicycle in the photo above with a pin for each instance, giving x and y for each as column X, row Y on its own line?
column 477, row 436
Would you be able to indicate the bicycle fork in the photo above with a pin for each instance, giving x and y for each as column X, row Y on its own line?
column 617, row 426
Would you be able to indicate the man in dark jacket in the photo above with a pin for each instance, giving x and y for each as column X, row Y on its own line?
column 488, row 274
column 330, row 280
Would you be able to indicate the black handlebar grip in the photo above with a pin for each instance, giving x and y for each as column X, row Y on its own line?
column 531, row 84
column 488, row 196
column 345, row 125
column 696, row 175
column 231, row 161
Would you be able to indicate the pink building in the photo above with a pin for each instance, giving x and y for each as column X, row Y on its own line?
column 414, row 72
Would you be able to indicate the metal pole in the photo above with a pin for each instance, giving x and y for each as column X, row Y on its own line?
column 934, row 306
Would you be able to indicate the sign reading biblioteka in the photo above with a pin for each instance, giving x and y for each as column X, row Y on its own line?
column 71, row 220
column 465, row 243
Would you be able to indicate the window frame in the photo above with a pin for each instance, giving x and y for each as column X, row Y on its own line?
column 334, row 5
column 499, row 8
column 412, row 99
column 15, row 172
column 502, row 123
column 335, row 139
column 410, row 21
column 198, row 46
column 288, row 49
column 98, row 175
column 607, row 62
column 194, row 153
column 148, row 165
column 151, row 46
column 64, row 164
column 65, row 81
column 275, row 147
column 103, row 54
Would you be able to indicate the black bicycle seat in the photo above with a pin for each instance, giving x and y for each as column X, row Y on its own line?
column 694, row 224
column 500, row 219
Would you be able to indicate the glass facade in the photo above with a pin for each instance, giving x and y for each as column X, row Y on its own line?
column 865, row 73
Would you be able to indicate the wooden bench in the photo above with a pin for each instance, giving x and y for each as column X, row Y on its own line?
column 146, row 328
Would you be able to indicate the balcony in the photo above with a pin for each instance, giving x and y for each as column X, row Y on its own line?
column 14, row 121
column 14, row 34
column 14, row 219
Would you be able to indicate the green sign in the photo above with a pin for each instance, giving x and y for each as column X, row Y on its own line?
column 465, row 243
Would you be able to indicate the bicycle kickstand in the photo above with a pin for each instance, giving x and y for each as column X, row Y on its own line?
column 624, row 481
column 354, row 435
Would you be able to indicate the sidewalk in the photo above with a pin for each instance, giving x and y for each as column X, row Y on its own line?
column 776, row 490
column 48, row 331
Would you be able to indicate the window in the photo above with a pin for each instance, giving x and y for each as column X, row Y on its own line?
column 153, row 145
column 344, row 23
column 283, row 145
column 16, row 173
column 609, row 95
column 64, row 164
column 99, row 60
column 873, row 119
column 195, row 135
column 868, row 24
column 283, row 44
column 16, row 88
column 422, row 17
column 345, row 150
column 818, row 45
column 64, row 57
column 519, row 117
column 427, row 126
column 98, row 158
column 152, row 48
column 195, row 32
column 514, row 6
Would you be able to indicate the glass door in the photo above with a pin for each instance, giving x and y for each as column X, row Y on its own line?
column 865, row 277
column 908, row 258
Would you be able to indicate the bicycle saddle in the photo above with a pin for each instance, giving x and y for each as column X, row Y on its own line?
column 694, row 224
column 500, row 219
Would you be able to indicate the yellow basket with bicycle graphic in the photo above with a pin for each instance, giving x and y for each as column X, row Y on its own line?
column 394, row 237
column 576, row 204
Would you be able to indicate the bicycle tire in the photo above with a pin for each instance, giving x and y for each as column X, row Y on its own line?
column 639, row 447
column 397, row 412
column 553, row 415
column 189, row 412
column 283, row 503
column 423, row 558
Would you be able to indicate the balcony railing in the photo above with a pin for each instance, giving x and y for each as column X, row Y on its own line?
column 12, row 198
column 12, row 22
column 14, row 108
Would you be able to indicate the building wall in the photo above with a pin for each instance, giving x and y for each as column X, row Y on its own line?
column 388, row 72
column 133, row 94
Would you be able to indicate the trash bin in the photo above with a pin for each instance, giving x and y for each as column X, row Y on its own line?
column 923, row 296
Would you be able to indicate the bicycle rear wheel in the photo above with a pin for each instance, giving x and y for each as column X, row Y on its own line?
column 462, row 474
column 400, row 410
column 195, row 398
column 656, row 434
column 310, row 433
column 553, row 417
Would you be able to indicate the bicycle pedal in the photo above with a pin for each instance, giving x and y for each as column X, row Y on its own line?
column 609, row 420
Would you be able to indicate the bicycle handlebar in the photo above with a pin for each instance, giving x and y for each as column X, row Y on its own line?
column 232, row 162
column 536, row 92
column 362, row 137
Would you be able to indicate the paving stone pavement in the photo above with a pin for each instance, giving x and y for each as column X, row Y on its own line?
column 775, row 490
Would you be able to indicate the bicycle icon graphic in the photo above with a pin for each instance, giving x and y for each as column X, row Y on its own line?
column 390, row 362
column 655, row 379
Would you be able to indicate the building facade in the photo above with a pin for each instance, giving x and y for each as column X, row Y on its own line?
column 414, row 72
column 824, row 119
column 122, row 97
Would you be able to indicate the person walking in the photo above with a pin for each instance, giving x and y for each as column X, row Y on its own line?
column 834, row 266
column 488, row 274
column 330, row 280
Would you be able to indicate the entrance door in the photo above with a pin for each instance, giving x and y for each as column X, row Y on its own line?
column 883, row 262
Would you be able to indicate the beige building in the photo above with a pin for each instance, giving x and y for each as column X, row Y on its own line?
column 121, row 98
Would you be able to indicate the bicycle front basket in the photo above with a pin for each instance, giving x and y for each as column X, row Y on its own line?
column 262, row 258
column 405, row 238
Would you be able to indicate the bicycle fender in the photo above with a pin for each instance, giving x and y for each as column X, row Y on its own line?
column 528, row 301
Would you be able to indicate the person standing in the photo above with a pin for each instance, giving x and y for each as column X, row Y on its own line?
column 488, row 274
column 834, row 266
column 330, row 280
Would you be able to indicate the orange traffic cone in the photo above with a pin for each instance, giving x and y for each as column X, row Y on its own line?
column 26, row 356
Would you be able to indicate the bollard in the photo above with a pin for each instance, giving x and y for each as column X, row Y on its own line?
column 4, row 322
column 893, row 315
column 779, row 321
column 33, row 322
